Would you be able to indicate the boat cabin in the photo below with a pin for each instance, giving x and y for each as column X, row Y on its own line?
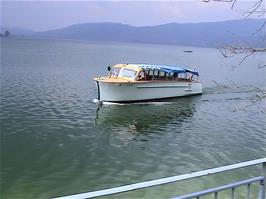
column 144, row 72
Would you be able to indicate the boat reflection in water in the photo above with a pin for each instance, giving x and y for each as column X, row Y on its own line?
column 138, row 120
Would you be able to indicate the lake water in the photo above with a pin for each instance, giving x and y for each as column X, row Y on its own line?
column 56, row 141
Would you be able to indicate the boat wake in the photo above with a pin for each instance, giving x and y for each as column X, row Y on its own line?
column 154, row 103
column 99, row 102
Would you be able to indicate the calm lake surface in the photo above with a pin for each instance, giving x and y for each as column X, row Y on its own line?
column 56, row 141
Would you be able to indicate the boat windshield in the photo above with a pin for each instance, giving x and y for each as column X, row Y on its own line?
column 115, row 71
column 128, row 73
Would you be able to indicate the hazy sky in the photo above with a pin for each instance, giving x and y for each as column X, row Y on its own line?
column 45, row 15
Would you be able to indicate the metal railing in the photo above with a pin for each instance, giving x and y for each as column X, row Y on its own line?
column 151, row 183
column 231, row 186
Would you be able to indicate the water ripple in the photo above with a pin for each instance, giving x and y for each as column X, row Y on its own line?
column 56, row 140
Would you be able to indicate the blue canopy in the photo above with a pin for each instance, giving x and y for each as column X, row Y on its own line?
column 167, row 69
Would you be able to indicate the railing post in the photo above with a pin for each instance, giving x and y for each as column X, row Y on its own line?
column 233, row 193
column 248, row 191
column 216, row 195
column 262, row 182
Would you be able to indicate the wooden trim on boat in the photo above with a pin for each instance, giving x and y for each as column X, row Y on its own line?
column 163, row 86
column 122, row 81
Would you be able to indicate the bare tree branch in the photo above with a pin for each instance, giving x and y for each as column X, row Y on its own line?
column 258, row 10
column 252, row 101
column 260, row 28
column 255, row 8
column 262, row 66
column 260, row 94
column 220, row 85
column 230, row 51
column 233, row 4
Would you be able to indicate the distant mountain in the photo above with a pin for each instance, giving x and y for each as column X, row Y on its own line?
column 17, row 31
column 210, row 34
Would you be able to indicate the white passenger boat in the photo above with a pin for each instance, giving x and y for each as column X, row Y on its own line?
column 141, row 82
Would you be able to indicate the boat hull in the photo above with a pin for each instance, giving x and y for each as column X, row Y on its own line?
column 143, row 91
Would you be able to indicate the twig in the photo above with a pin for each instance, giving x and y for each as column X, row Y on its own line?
column 255, row 7
column 221, row 85
column 252, row 102
column 229, row 51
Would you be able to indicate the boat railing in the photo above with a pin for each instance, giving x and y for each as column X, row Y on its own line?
column 215, row 191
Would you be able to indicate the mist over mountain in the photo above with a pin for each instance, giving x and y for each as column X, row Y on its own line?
column 208, row 34
column 17, row 31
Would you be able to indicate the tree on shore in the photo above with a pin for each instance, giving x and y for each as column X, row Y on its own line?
column 7, row 33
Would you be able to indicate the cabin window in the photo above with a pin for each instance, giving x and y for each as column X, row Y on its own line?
column 151, row 72
column 182, row 75
column 175, row 75
column 115, row 71
column 128, row 73
column 141, row 75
